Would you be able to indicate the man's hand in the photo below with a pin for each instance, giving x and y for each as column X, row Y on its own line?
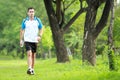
column 38, row 38
column 21, row 43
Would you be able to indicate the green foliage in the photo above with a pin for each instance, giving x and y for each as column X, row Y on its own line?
column 103, row 37
column 46, row 45
column 71, row 10
column 116, row 29
column 47, row 38
column 99, row 50
column 74, row 37
column 111, row 57
column 4, row 52
column 71, row 39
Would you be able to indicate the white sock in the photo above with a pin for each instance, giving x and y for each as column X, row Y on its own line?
column 32, row 69
column 29, row 67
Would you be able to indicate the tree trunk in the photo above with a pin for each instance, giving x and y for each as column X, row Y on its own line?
column 57, row 33
column 61, row 49
column 91, row 31
column 110, row 40
column 88, row 54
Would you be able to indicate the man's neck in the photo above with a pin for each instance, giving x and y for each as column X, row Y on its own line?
column 31, row 18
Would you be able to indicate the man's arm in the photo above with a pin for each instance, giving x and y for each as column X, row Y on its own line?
column 40, row 34
column 21, row 37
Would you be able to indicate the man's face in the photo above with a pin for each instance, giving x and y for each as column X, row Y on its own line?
column 31, row 13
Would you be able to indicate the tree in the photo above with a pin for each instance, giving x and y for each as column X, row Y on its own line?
column 93, row 29
column 56, row 15
column 111, row 47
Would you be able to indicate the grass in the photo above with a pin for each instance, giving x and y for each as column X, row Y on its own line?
column 50, row 70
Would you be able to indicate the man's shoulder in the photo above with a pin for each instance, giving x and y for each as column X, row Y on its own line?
column 36, row 18
column 25, row 19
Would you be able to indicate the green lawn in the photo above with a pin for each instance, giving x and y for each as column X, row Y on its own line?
column 50, row 70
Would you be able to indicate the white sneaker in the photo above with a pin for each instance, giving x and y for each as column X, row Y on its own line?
column 30, row 71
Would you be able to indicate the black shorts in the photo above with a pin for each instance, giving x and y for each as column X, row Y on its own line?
column 31, row 46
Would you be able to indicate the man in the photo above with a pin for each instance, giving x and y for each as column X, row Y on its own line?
column 31, row 31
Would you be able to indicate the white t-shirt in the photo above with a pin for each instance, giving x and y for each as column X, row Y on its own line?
column 31, row 28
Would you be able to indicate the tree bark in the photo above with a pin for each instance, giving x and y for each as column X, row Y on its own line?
column 88, row 49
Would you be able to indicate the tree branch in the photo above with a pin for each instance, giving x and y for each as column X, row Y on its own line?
column 69, row 4
column 73, row 19
column 102, row 23
column 58, row 10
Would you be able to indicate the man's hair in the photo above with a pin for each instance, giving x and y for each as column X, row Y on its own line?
column 30, row 8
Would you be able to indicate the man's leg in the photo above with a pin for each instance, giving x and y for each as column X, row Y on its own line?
column 33, row 59
column 34, row 48
column 29, row 59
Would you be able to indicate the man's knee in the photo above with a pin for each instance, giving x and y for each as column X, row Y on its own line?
column 29, row 53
